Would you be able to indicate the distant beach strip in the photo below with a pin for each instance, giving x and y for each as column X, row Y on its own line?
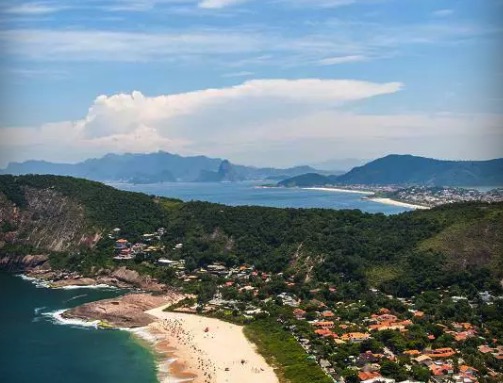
column 365, row 192
column 387, row 201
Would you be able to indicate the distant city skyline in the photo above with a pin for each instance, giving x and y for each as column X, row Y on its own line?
column 265, row 83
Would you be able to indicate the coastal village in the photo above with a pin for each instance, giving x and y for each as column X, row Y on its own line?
column 426, row 196
column 436, row 196
column 397, row 343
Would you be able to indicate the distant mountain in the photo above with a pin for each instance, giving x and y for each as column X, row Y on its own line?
column 411, row 170
column 152, row 168
column 339, row 166
column 308, row 180
column 226, row 172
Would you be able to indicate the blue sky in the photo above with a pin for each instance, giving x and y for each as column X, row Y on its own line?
column 263, row 82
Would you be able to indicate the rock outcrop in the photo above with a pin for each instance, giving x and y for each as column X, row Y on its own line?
column 49, row 221
column 127, row 311
column 24, row 263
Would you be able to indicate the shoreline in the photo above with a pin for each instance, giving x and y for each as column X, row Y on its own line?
column 389, row 201
column 339, row 190
column 185, row 347
column 195, row 349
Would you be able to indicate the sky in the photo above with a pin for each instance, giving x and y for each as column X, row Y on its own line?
column 260, row 82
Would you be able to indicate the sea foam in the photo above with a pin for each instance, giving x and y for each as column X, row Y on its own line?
column 39, row 283
column 57, row 318
column 75, row 287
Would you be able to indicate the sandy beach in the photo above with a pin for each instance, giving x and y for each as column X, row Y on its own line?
column 205, row 350
column 340, row 190
column 389, row 201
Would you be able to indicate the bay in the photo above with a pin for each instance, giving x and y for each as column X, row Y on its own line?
column 249, row 193
column 37, row 348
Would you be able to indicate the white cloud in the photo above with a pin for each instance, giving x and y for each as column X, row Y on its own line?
column 263, row 122
column 238, row 74
column 81, row 45
column 123, row 113
column 183, row 122
column 443, row 13
column 341, row 60
column 33, row 9
column 329, row 43
column 328, row 3
column 215, row 4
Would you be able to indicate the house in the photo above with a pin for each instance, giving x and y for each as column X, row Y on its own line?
column 390, row 325
column 355, row 337
column 418, row 314
column 217, row 269
column 121, row 244
column 299, row 313
column 387, row 318
column 468, row 370
column 423, row 359
column 324, row 324
column 324, row 332
column 368, row 357
column 485, row 349
column 166, row 262
column 379, row 380
column 441, row 353
column 327, row 314
column 441, row 369
column 363, row 376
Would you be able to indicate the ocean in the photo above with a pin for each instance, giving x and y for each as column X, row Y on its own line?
column 35, row 347
column 248, row 193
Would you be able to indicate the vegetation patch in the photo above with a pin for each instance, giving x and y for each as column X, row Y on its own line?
column 281, row 350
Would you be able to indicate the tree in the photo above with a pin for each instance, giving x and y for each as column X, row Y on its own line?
column 350, row 376
column 421, row 373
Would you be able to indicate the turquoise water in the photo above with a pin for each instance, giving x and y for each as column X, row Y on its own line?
column 34, row 348
column 246, row 193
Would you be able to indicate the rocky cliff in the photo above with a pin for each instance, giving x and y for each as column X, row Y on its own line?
column 24, row 262
column 48, row 221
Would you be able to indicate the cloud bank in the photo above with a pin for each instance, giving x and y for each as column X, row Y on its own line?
column 263, row 122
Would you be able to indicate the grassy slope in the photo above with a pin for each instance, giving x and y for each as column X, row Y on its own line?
column 376, row 246
column 474, row 240
column 282, row 351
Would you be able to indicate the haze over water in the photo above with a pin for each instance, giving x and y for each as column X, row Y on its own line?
column 247, row 193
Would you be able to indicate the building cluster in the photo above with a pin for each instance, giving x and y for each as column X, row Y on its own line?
column 244, row 292
column 435, row 196
column 125, row 250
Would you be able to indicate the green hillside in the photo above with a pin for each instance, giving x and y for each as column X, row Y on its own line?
column 401, row 254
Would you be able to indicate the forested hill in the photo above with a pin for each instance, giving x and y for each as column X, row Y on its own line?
column 402, row 254
column 412, row 170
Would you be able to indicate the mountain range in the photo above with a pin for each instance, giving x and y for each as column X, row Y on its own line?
column 409, row 170
column 154, row 167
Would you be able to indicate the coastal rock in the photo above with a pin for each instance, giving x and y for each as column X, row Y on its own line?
column 24, row 263
column 133, row 278
column 47, row 220
column 126, row 311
